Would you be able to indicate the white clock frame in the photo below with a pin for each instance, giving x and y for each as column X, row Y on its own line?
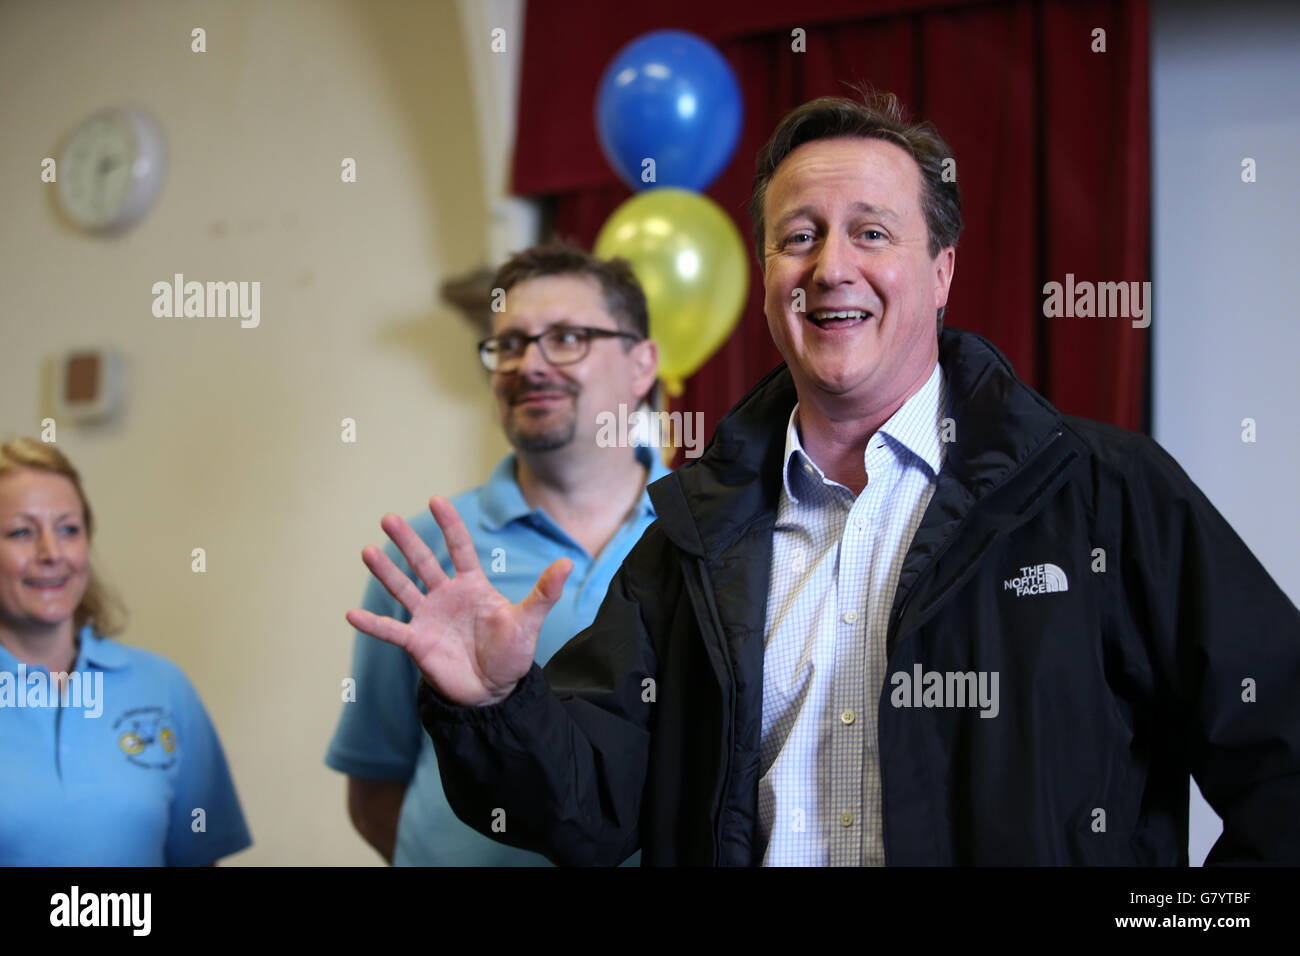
column 102, row 196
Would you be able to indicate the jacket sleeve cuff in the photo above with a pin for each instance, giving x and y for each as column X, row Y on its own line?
column 435, row 709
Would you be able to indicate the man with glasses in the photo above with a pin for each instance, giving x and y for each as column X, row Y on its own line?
column 572, row 343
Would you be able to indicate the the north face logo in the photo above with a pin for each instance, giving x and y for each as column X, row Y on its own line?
column 1037, row 579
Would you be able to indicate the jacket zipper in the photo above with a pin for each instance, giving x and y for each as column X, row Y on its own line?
column 902, row 611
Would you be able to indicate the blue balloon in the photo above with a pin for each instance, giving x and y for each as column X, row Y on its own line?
column 668, row 96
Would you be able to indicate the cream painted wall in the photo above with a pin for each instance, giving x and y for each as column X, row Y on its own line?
column 230, row 439
column 1223, row 82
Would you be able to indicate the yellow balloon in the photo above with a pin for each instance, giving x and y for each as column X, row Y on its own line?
column 690, row 260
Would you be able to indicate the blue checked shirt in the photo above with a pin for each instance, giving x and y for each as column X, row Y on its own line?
column 835, row 565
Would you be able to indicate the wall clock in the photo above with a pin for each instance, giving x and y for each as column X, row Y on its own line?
column 111, row 169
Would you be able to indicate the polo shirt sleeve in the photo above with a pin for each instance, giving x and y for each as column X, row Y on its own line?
column 379, row 733
column 203, row 782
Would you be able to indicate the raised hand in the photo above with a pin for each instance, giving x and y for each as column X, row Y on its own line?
column 470, row 642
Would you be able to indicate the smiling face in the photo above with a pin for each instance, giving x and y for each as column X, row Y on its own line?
column 44, row 551
column 844, row 224
column 545, row 407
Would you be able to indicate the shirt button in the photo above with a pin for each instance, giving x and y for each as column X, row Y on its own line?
column 850, row 617
column 860, row 522
column 846, row 820
column 848, row 717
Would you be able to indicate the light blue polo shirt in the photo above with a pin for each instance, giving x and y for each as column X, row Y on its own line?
column 129, row 773
column 380, row 737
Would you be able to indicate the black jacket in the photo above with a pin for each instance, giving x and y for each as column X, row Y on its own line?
column 1166, row 649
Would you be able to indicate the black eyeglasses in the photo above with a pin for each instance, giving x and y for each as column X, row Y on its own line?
column 562, row 345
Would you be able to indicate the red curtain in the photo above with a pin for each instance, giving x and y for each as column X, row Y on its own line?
column 1050, row 137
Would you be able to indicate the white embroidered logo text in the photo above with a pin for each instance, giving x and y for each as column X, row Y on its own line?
column 1037, row 579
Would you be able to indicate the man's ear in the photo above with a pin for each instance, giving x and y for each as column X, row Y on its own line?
column 645, row 366
column 944, row 263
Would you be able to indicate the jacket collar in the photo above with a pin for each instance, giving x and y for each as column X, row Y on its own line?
column 706, row 505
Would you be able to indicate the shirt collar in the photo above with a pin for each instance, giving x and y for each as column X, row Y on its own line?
column 915, row 427
column 501, row 501
column 92, row 649
column 99, row 650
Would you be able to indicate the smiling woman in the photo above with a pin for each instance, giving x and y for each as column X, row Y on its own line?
column 33, row 464
column 130, row 775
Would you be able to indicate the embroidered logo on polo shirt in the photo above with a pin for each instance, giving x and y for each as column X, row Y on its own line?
column 147, row 736
column 1037, row 579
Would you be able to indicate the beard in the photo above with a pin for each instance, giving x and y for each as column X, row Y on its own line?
column 551, row 430
column 538, row 437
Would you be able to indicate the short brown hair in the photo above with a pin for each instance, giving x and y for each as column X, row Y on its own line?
column 98, row 605
column 624, row 299
column 880, row 115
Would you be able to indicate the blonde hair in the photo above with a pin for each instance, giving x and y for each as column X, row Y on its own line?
column 99, row 605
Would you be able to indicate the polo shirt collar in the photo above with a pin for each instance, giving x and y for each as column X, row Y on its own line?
column 92, row 650
column 99, row 651
column 915, row 427
column 501, row 501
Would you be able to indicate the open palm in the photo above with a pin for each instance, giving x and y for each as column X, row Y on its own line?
column 470, row 642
